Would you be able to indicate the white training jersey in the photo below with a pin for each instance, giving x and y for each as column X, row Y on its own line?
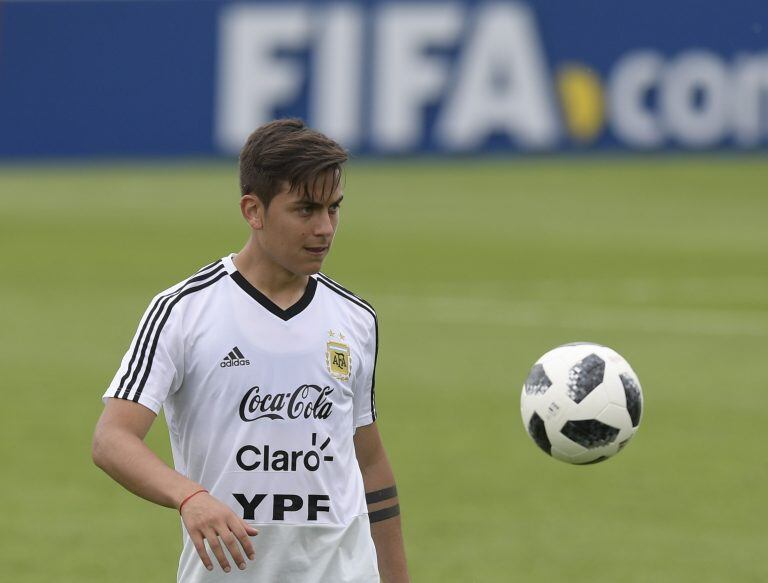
column 262, row 405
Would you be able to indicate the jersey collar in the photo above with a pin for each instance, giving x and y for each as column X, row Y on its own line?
column 246, row 286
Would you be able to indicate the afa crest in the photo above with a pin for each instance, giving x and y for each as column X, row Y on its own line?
column 338, row 359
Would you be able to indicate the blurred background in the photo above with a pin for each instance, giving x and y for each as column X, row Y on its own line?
column 523, row 174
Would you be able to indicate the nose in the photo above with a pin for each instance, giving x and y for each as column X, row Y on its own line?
column 324, row 225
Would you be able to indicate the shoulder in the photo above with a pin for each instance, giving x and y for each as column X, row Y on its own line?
column 203, row 278
column 345, row 296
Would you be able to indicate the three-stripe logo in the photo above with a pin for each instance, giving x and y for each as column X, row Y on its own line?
column 234, row 358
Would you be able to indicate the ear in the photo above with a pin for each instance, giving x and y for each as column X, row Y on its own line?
column 253, row 211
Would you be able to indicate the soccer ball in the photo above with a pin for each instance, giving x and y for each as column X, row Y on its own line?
column 581, row 403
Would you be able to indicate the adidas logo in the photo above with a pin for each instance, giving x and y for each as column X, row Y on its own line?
column 234, row 358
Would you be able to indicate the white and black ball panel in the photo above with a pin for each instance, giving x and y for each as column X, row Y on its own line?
column 577, row 454
column 537, row 382
column 582, row 441
column 592, row 404
column 565, row 449
column 558, row 361
column 617, row 416
column 590, row 433
column 633, row 396
column 585, row 376
column 593, row 457
column 538, row 433
column 611, row 391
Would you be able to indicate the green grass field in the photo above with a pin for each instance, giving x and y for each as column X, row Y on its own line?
column 476, row 269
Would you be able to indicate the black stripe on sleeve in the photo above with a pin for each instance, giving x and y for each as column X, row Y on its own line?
column 211, row 264
column 176, row 300
column 329, row 283
column 384, row 514
column 151, row 316
column 158, row 310
column 381, row 495
column 373, row 374
column 342, row 288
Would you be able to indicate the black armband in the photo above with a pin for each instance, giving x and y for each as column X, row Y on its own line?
column 384, row 514
column 380, row 495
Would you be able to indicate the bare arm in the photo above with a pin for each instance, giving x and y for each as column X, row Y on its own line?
column 119, row 450
column 379, row 484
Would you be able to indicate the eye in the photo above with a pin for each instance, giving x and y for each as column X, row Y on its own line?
column 305, row 211
column 334, row 208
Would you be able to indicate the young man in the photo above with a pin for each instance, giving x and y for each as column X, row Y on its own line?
column 266, row 371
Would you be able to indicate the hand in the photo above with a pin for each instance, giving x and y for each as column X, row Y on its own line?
column 208, row 519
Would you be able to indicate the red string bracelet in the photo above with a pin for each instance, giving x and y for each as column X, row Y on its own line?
column 183, row 502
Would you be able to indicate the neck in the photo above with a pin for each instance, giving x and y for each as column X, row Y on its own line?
column 271, row 279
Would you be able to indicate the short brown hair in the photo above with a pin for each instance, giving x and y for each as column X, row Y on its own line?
column 287, row 150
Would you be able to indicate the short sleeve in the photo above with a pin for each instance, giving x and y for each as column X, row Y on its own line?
column 153, row 366
column 364, row 399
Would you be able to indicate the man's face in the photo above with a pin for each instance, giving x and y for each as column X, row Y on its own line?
column 297, row 231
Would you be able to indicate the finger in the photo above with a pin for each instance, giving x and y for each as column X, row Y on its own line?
column 218, row 550
column 249, row 530
column 230, row 540
column 197, row 540
column 239, row 530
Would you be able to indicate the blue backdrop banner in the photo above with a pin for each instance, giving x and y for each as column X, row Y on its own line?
column 176, row 77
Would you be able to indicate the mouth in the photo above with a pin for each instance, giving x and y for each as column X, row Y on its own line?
column 317, row 251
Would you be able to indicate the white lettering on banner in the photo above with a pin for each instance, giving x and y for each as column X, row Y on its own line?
column 337, row 63
column 696, row 122
column 749, row 107
column 502, row 84
column 406, row 78
column 393, row 76
column 700, row 99
column 252, row 80
column 634, row 76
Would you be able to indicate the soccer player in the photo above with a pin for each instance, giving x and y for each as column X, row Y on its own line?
column 266, row 371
